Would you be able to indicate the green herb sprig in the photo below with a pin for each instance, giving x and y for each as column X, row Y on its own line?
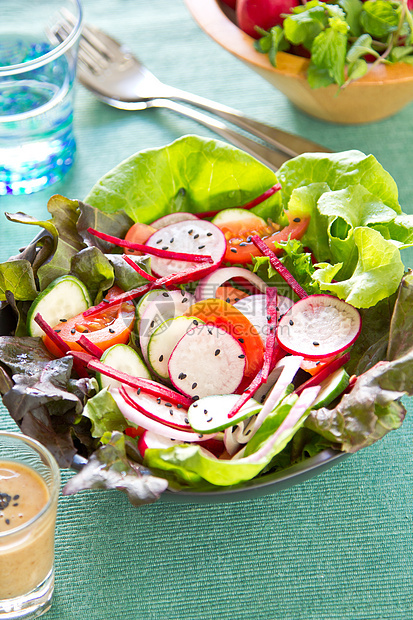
column 345, row 39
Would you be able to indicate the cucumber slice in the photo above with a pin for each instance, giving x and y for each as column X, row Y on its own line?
column 210, row 414
column 331, row 387
column 122, row 357
column 64, row 298
column 146, row 300
column 237, row 215
column 164, row 339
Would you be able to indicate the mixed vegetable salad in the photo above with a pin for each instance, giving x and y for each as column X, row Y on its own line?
column 199, row 321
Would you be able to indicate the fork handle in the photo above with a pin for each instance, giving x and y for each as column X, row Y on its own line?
column 271, row 158
column 284, row 141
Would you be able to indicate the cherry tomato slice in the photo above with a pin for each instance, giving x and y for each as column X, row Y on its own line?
column 222, row 314
column 240, row 248
column 138, row 233
column 108, row 327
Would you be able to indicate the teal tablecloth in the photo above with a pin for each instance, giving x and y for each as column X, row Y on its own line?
column 338, row 547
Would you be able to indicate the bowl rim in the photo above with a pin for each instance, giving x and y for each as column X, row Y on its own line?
column 213, row 19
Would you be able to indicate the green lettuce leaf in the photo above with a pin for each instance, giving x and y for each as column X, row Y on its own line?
column 192, row 174
column 104, row 414
column 94, row 269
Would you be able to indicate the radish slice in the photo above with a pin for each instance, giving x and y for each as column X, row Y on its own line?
column 319, row 326
column 140, row 419
column 167, row 305
column 208, row 286
column 200, row 362
column 194, row 237
column 210, row 414
column 157, row 408
column 173, row 218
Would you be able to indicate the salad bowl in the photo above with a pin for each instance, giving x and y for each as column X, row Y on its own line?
column 382, row 92
column 350, row 208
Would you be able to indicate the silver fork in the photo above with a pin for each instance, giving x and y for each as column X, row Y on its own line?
column 118, row 78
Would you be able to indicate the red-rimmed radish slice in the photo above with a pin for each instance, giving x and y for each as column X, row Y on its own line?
column 193, row 237
column 157, row 408
column 207, row 361
column 146, row 385
column 319, row 326
column 166, row 305
column 173, row 218
column 152, row 441
column 284, row 305
column 208, row 286
column 140, row 419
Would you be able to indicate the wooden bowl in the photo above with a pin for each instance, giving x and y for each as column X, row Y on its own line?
column 385, row 90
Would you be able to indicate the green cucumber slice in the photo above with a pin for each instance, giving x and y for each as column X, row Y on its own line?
column 331, row 387
column 64, row 298
column 210, row 414
column 164, row 339
column 145, row 301
column 236, row 215
column 122, row 357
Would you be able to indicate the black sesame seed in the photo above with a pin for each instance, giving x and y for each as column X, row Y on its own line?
column 277, row 308
column 236, row 299
column 16, row 504
column 195, row 322
column 247, row 432
column 171, row 412
column 316, row 344
column 196, row 236
column 86, row 331
column 194, row 385
column 190, row 231
column 209, row 234
column 185, row 299
column 7, row 521
column 195, row 398
column 152, row 323
column 16, row 497
column 210, row 331
column 106, row 301
column 241, row 340
column 249, row 239
column 159, row 241
column 206, row 411
column 182, row 375
column 161, row 358
column 297, row 219
column 171, row 240
column 158, row 400
column 165, row 294
column 269, row 318
column 186, row 421
column 242, row 244
column 139, row 391
column 195, row 405
column 165, row 247
column 317, row 363
column 57, row 331
column 111, row 331
column 73, row 330
column 168, row 404
column 217, row 352
column 241, row 356
column 228, row 300
column 234, row 250
column 63, row 320
column 201, row 247
column 200, row 436
column 210, row 419
column 291, row 322
column 179, row 406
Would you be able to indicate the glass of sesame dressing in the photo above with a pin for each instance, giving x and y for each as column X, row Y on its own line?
column 29, row 490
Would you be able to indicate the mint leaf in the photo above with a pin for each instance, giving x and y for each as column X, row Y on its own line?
column 303, row 27
column 328, row 52
column 352, row 9
column 379, row 18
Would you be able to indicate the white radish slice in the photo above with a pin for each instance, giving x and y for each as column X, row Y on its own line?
column 237, row 436
column 319, row 326
column 254, row 308
column 173, row 218
column 208, row 286
column 157, row 408
column 153, row 441
column 166, row 305
column 284, row 304
column 140, row 419
column 206, row 361
column 210, row 414
column 165, row 338
column 188, row 237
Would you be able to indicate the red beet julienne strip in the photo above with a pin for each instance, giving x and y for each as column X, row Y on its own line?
column 147, row 249
column 89, row 346
column 279, row 267
column 139, row 269
column 249, row 205
column 272, row 315
column 59, row 342
column 187, row 275
column 146, row 385
column 324, row 372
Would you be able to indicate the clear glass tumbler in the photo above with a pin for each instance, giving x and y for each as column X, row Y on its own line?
column 37, row 74
column 29, row 490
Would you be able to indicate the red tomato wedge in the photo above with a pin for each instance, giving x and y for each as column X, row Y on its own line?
column 138, row 233
column 110, row 326
column 238, row 234
column 222, row 314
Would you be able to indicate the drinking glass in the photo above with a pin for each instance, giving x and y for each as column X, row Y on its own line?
column 37, row 143
column 29, row 489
